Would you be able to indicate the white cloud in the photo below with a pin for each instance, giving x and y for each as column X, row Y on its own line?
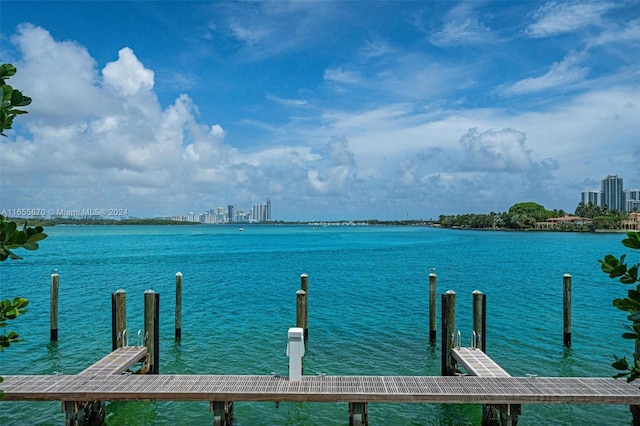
column 627, row 33
column 563, row 74
column 462, row 26
column 564, row 17
column 127, row 74
column 61, row 77
column 340, row 75
column 496, row 151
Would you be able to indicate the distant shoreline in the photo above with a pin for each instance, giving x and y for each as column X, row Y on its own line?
column 427, row 223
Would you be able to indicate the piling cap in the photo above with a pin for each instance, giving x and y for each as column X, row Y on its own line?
column 296, row 333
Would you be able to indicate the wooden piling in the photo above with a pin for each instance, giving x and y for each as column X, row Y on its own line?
column 566, row 299
column 358, row 414
column 448, row 332
column 222, row 412
column 432, row 307
column 55, row 282
column 118, row 319
column 479, row 319
column 178, row 306
column 304, row 286
column 152, row 330
column 301, row 302
column 490, row 414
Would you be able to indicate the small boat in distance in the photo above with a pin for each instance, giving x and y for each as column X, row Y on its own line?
column 240, row 229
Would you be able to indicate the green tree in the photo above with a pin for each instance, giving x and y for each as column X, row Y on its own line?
column 531, row 209
column 617, row 268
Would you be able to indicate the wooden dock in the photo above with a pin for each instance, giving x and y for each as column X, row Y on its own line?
column 387, row 389
column 477, row 363
column 117, row 362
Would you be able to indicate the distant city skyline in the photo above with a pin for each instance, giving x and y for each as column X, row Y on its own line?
column 613, row 195
column 230, row 214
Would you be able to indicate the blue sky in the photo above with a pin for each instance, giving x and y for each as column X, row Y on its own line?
column 334, row 110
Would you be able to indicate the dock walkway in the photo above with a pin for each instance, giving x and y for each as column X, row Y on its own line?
column 388, row 389
column 477, row 363
column 117, row 362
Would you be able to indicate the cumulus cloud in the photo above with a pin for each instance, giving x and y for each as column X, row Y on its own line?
column 127, row 74
column 335, row 171
column 61, row 76
column 496, row 150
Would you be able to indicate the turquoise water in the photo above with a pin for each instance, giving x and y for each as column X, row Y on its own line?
column 368, row 311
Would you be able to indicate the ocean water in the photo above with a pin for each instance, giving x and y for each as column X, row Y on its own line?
column 368, row 311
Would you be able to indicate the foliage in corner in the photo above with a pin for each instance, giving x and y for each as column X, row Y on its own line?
column 10, row 237
column 617, row 268
column 11, row 98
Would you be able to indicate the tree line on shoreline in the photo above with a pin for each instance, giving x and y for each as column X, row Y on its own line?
column 523, row 216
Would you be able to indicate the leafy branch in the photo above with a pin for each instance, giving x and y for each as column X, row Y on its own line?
column 617, row 268
column 11, row 98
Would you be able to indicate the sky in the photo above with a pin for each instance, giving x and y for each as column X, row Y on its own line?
column 334, row 110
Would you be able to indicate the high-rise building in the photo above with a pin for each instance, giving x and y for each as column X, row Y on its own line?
column 591, row 196
column 231, row 215
column 613, row 193
column 632, row 200
column 269, row 209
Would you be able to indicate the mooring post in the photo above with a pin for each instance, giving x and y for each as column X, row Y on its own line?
column 222, row 412
column 448, row 332
column 479, row 320
column 55, row 282
column 432, row 307
column 490, row 416
column 358, row 414
column 566, row 299
column 118, row 319
column 304, row 286
column 152, row 330
column 179, row 306
column 301, row 304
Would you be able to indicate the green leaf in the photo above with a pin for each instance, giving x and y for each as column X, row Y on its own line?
column 631, row 336
column 7, row 92
column 626, row 305
column 633, row 272
column 7, row 70
column 632, row 241
column 620, row 363
column 634, row 295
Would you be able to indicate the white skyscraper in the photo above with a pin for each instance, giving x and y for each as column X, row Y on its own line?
column 613, row 193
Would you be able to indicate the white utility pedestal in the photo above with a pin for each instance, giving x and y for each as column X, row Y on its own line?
column 295, row 352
